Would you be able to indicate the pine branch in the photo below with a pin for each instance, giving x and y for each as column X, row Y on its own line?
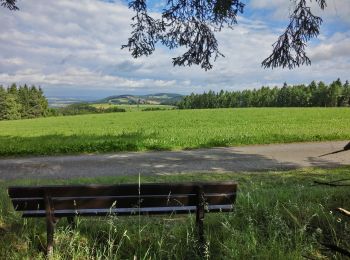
column 289, row 50
column 10, row 4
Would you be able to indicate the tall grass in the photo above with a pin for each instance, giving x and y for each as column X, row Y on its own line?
column 173, row 129
column 278, row 215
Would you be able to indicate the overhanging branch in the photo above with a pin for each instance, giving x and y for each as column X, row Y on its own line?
column 10, row 4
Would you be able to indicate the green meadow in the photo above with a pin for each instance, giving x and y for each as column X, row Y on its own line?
column 171, row 130
column 278, row 215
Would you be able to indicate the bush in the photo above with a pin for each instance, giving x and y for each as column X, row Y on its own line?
column 78, row 109
column 153, row 109
column 113, row 109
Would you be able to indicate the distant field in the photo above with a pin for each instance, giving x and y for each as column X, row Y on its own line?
column 133, row 108
column 172, row 129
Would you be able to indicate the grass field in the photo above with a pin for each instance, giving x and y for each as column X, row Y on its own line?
column 278, row 215
column 173, row 129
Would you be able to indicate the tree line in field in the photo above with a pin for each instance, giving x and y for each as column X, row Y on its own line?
column 315, row 94
column 22, row 102
column 82, row 109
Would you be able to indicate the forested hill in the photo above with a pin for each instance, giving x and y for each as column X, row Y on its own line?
column 22, row 102
column 154, row 99
column 312, row 95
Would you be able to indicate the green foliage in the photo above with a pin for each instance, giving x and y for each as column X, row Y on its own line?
column 9, row 107
column 114, row 109
column 172, row 129
column 82, row 109
column 22, row 102
column 278, row 215
column 313, row 95
column 153, row 109
column 77, row 109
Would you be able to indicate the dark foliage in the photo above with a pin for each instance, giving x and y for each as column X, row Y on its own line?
column 184, row 23
column 192, row 23
column 289, row 50
column 153, row 109
column 312, row 95
column 77, row 109
column 10, row 4
column 113, row 110
column 82, row 109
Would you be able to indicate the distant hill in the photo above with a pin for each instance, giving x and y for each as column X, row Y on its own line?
column 154, row 99
column 56, row 102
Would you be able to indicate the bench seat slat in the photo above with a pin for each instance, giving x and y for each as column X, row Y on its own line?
column 127, row 211
column 119, row 190
column 106, row 202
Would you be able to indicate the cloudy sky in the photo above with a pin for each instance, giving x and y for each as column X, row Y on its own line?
column 73, row 48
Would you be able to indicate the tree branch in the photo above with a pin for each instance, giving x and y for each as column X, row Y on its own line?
column 289, row 50
column 192, row 23
column 184, row 23
column 10, row 4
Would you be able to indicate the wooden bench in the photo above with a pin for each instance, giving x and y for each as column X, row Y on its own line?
column 54, row 202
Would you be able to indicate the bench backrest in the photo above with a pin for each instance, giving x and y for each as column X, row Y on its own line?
column 122, row 199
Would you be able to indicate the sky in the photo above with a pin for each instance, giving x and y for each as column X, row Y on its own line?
column 73, row 49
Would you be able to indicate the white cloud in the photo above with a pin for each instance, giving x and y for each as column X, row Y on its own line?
column 75, row 46
column 336, row 47
column 336, row 10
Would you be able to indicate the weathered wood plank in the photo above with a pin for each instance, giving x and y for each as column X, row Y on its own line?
column 120, row 189
column 106, row 202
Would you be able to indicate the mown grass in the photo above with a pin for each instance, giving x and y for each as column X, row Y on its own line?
column 173, row 129
column 278, row 215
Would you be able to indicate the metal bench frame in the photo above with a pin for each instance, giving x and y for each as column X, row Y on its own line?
column 54, row 202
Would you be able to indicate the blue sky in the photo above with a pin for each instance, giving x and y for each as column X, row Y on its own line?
column 72, row 48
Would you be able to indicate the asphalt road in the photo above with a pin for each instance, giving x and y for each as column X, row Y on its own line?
column 228, row 159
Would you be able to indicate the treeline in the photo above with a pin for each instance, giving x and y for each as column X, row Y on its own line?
column 82, row 109
column 22, row 102
column 312, row 95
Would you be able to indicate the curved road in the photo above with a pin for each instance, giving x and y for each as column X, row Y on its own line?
column 228, row 159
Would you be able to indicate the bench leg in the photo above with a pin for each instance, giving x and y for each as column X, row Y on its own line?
column 71, row 222
column 50, row 229
column 50, row 225
column 200, row 221
column 200, row 230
